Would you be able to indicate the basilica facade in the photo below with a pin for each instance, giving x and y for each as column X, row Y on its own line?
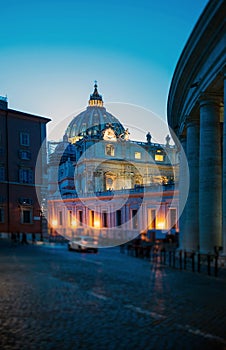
column 102, row 183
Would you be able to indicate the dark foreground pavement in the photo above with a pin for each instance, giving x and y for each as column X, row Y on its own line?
column 54, row 299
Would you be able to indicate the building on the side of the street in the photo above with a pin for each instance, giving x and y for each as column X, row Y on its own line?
column 99, row 179
column 197, row 115
column 21, row 137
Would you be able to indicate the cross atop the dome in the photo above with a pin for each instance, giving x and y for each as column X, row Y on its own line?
column 95, row 88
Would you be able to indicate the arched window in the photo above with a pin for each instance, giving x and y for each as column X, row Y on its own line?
column 110, row 181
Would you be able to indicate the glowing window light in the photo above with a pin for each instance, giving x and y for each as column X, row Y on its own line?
column 137, row 155
column 97, row 223
column 161, row 225
column 54, row 222
column 73, row 223
column 159, row 157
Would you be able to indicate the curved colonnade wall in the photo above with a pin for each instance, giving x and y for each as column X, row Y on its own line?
column 197, row 115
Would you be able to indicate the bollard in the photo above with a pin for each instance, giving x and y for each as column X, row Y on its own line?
column 198, row 262
column 216, row 266
column 193, row 261
column 208, row 263
column 185, row 259
column 164, row 256
column 169, row 258
column 180, row 259
column 158, row 255
column 174, row 259
column 148, row 252
column 152, row 255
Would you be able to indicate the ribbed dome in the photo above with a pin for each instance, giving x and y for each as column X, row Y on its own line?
column 93, row 120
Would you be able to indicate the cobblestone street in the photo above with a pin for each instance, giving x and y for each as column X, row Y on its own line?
column 51, row 298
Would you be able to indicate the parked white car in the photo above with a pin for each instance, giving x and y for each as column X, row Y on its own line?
column 83, row 244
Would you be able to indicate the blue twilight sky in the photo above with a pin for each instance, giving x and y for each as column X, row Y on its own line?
column 51, row 51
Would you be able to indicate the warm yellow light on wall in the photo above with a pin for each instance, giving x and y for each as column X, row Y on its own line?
column 137, row 155
column 73, row 223
column 161, row 225
column 54, row 223
column 159, row 157
column 96, row 103
column 97, row 223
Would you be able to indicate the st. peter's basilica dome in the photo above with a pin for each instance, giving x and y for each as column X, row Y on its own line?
column 92, row 121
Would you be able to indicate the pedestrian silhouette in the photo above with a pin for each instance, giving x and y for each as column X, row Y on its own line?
column 24, row 238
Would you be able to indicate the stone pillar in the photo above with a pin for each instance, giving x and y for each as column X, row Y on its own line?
column 144, row 217
column 192, row 205
column 183, row 174
column 210, row 174
column 224, row 169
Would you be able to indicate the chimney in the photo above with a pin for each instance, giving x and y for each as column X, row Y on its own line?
column 3, row 103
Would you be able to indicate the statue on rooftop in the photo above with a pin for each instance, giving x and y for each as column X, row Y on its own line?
column 148, row 137
column 167, row 140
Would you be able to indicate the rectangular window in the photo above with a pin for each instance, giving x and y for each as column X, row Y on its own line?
column 60, row 218
column 134, row 219
column 105, row 219
column 1, row 215
column 2, row 173
column 26, row 216
column 25, row 155
column 137, row 155
column 26, row 176
column 110, row 150
column 24, row 139
column 159, row 157
column 80, row 217
column 118, row 217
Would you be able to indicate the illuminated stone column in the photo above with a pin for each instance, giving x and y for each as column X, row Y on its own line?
column 224, row 169
column 192, row 205
column 143, row 217
column 128, row 214
column 183, row 172
column 210, row 174
column 111, row 216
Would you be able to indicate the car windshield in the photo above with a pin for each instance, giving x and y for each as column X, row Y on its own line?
column 87, row 239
